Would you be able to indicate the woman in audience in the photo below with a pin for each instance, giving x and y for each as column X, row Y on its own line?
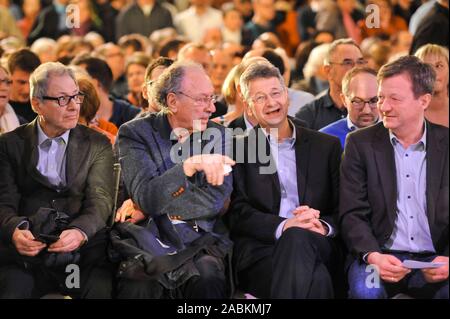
column 437, row 56
column 135, row 71
column 89, row 108
column 230, row 94
column 8, row 118
column 31, row 9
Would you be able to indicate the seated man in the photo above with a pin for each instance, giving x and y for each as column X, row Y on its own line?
column 359, row 95
column 281, row 217
column 55, row 195
column 394, row 191
column 177, row 179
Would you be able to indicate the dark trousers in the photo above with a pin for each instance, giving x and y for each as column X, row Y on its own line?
column 300, row 265
column 210, row 284
column 19, row 280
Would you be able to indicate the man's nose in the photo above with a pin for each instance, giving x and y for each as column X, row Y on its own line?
column 211, row 107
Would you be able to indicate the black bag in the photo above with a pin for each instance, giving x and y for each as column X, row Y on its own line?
column 143, row 256
column 46, row 225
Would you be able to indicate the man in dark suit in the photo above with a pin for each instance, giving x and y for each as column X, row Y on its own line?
column 55, row 196
column 394, row 191
column 282, row 214
column 173, row 168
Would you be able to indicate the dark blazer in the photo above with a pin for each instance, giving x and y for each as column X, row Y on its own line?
column 238, row 123
column 368, row 192
column 255, row 201
column 88, row 196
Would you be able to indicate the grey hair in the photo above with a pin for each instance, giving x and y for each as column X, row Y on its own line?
column 335, row 44
column 315, row 60
column 40, row 77
column 170, row 82
column 255, row 71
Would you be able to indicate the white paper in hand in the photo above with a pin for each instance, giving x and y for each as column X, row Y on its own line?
column 413, row 264
column 227, row 169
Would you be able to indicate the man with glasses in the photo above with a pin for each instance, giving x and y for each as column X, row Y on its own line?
column 394, row 192
column 54, row 170
column 359, row 95
column 176, row 172
column 343, row 55
column 282, row 222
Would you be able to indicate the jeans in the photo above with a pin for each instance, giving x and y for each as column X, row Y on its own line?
column 364, row 282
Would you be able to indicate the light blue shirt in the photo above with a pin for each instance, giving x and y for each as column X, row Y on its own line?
column 411, row 231
column 52, row 157
column 248, row 125
column 283, row 153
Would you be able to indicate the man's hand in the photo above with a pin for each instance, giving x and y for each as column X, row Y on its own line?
column 306, row 218
column 433, row 275
column 25, row 243
column 69, row 240
column 213, row 165
column 389, row 267
column 129, row 212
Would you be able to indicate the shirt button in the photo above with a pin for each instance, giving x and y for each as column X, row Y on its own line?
column 409, row 197
column 412, row 217
column 407, row 175
column 412, row 238
column 406, row 155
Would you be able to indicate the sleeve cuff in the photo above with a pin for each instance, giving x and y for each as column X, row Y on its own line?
column 279, row 230
column 364, row 258
column 23, row 225
column 331, row 231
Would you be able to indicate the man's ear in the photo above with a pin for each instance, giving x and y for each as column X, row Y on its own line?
column 425, row 100
column 36, row 105
column 327, row 69
column 247, row 108
column 342, row 96
column 172, row 102
column 145, row 93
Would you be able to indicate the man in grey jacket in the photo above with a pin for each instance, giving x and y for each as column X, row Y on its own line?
column 175, row 172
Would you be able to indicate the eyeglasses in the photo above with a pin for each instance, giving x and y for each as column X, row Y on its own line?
column 261, row 98
column 350, row 63
column 359, row 104
column 6, row 81
column 200, row 100
column 65, row 99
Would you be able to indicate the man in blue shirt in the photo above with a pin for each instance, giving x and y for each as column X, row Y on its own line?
column 359, row 95
column 55, row 196
column 394, row 191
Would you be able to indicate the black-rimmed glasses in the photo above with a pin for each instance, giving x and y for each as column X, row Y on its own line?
column 359, row 104
column 65, row 99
